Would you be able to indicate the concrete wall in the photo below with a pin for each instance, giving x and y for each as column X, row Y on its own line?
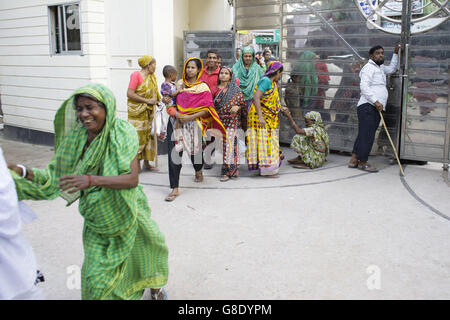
column 210, row 15
column 181, row 23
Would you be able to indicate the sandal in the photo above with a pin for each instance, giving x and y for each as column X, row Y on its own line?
column 171, row 197
column 224, row 178
column 367, row 167
column 353, row 165
column 160, row 295
column 198, row 176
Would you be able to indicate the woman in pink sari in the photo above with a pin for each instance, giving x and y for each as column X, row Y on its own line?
column 195, row 110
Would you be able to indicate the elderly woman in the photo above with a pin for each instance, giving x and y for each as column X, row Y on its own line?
column 311, row 143
column 96, row 163
column 143, row 95
column 263, row 146
column 229, row 103
column 249, row 72
column 196, row 113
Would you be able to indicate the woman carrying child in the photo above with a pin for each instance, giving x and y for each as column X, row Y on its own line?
column 196, row 113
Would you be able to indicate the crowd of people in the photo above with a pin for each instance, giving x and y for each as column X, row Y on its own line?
column 229, row 108
column 97, row 161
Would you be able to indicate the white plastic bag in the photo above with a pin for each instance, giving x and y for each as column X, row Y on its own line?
column 160, row 120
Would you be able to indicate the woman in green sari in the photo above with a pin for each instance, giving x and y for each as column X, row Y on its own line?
column 249, row 72
column 308, row 78
column 312, row 143
column 95, row 161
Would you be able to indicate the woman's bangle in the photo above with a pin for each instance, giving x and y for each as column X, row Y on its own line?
column 90, row 181
column 24, row 170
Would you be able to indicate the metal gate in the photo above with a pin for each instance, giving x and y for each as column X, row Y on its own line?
column 324, row 44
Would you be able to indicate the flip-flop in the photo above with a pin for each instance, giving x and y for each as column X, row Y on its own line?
column 368, row 168
column 155, row 296
column 171, row 197
column 224, row 178
column 353, row 165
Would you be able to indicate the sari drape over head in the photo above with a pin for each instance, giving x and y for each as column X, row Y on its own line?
column 263, row 151
column 124, row 250
column 314, row 146
column 196, row 97
column 228, row 97
column 308, row 77
column 248, row 78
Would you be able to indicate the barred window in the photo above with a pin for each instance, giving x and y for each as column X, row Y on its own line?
column 65, row 32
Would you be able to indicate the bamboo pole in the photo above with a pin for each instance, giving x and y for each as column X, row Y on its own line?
column 392, row 143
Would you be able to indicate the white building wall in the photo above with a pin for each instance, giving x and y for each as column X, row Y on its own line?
column 136, row 28
column 210, row 15
column 33, row 83
column 114, row 34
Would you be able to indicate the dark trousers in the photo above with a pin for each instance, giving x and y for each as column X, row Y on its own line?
column 369, row 120
column 175, row 169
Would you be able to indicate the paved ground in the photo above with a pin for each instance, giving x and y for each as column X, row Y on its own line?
column 329, row 233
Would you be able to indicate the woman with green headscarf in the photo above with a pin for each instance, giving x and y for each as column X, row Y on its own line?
column 311, row 143
column 309, row 80
column 95, row 162
column 249, row 72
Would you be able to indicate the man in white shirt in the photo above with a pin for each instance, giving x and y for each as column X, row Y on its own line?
column 374, row 96
column 18, row 270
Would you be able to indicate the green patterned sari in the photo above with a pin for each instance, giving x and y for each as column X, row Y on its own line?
column 125, row 251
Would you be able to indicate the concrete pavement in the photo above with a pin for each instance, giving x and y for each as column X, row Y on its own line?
column 329, row 233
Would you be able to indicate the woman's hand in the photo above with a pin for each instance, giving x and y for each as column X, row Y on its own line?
column 286, row 112
column 75, row 183
column 19, row 171
column 235, row 109
column 152, row 101
column 185, row 118
column 16, row 169
column 262, row 122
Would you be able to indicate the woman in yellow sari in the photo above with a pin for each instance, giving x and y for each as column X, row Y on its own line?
column 263, row 146
column 143, row 95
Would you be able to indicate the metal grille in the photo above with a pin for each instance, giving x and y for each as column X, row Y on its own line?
column 197, row 44
column 426, row 113
column 257, row 14
column 338, row 38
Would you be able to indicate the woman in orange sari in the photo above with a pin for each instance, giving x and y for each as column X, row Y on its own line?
column 195, row 111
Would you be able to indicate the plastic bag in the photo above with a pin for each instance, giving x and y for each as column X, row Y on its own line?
column 160, row 120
